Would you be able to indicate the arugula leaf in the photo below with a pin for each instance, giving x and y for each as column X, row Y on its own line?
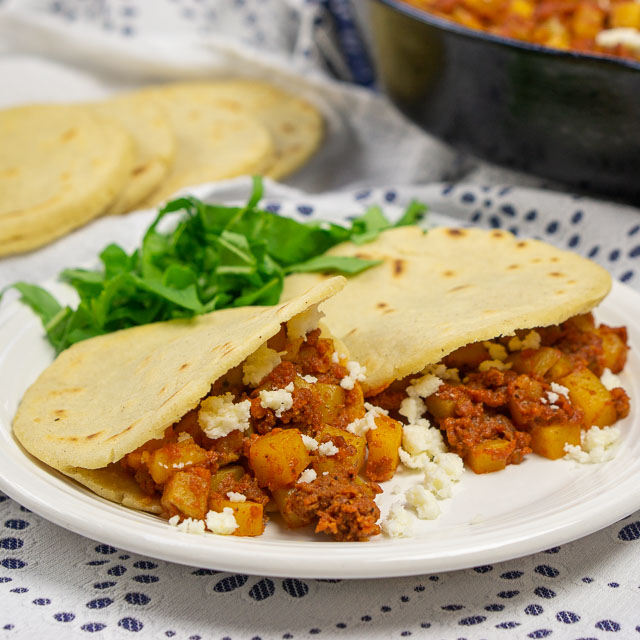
column 343, row 265
column 212, row 257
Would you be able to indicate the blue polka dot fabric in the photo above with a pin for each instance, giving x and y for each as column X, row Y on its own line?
column 55, row 583
column 50, row 584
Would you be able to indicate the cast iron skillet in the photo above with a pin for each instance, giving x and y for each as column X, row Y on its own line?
column 567, row 116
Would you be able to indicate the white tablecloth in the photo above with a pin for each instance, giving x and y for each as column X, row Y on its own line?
column 56, row 582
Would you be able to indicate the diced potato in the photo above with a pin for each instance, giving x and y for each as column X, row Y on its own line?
column 383, row 443
column 333, row 399
column 278, row 458
column 587, row 20
column 549, row 440
column 485, row 8
column 233, row 471
column 535, row 361
column 351, row 462
column 528, row 390
column 164, row 462
column 589, row 394
column 614, row 347
column 229, row 447
column 187, row 493
column 561, row 368
column 490, row 455
column 469, row 356
column 292, row 519
column 625, row 14
column 585, row 322
column 440, row 407
column 521, row 8
column 248, row 515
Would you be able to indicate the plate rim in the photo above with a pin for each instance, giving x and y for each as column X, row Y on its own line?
column 267, row 557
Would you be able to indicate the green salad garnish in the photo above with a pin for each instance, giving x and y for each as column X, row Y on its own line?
column 214, row 257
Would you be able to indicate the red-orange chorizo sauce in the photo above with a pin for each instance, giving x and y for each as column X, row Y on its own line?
column 507, row 405
column 340, row 505
column 560, row 24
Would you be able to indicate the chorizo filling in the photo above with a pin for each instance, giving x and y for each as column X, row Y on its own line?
column 535, row 391
column 275, row 434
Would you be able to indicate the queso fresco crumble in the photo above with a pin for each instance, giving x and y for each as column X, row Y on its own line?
column 289, row 430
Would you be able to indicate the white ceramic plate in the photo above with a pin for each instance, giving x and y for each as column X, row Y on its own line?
column 495, row 517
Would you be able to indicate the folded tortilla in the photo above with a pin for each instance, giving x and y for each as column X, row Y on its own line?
column 105, row 397
column 435, row 292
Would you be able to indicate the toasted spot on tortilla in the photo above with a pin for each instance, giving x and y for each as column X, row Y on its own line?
column 60, row 392
column 521, row 244
column 448, row 273
column 363, row 256
column 556, row 274
column 382, row 305
column 458, row 288
column 389, row 311
column 497, row 234
column 352, row 331
column 398, row 266
column 94, row 435
column 69, row 134
column 60, row 412
column 184, row 366
column 555, row 259
column 139, row 170
column 511, row 267
column 536, row 260
column 455, row 232
column 560, row 292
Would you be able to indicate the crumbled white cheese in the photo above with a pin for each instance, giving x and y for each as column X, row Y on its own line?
column 420, row 437
column 356, row 373
column 234, row 496
column 335, row 358
column 417, row 461
column 496, row 350
column 222, row 522
column 423, row 501
column 451, row 464
column 610, row 380
column 424, row 387
column 625, row 36
column 485, row 365
column 437, row 480
column 325, row 473
column 596, row 445
column 552, row 396
column 183, row 435
column 360, row 426
column 308, row 475
column 412, row 409
column 188, row 525
column 309, row 379
column 328, row 449
column 219, row 416
column 531, row 341
column 559, row 389
column 311, row 444
column 304, row 322
column 398, row 522
column 442, row 372
column 280, row 400
column 259, row 365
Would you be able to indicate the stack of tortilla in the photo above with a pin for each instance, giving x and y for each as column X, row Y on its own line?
column 63, row 165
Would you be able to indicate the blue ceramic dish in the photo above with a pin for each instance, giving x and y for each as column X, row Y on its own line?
column 566, row 116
